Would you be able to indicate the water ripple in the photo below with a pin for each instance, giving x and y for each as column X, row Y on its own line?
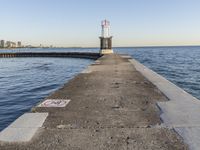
column 26, row 81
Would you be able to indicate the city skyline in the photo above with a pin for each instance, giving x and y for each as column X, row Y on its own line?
column 77, row 23
column 10, row 44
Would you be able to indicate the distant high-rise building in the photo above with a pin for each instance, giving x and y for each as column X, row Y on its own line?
column 19, row 44
column 8, row 44
column 2, row 43
column 13, row 44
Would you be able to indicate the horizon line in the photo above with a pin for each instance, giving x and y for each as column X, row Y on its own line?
column 128, row 46
column 146, row 46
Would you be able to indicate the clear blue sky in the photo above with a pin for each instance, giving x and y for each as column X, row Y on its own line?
column 77, row 22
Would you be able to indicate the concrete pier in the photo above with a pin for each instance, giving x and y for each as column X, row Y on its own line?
column 87, row 55
column 108, row 106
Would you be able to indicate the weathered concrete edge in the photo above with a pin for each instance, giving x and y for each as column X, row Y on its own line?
column 23, row 128
column 180, row 113
column 87, row 55
column 172, row 91
column 90, row 69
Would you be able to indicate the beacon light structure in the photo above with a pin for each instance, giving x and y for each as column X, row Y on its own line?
column 105, row 38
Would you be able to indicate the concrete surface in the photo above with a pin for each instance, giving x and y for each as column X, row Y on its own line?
column 106, row 51
column 87, row 55
column 24, row 128
column 172, row 91
column 112, row 107
column 191, row 136
column 180, row 113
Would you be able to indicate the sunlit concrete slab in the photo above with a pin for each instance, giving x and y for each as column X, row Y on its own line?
column 170, row 90
column 24, row 128
column 17, row 134
column 126, row 56
column 182, row 110
column 182, row 114
column 29, row 120
column 191, row 136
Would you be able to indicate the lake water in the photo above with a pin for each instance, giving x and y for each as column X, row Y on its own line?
column 26, row 81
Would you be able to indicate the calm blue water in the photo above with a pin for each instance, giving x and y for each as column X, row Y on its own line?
column 26, row 81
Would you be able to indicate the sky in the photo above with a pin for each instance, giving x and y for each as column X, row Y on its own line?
column 75, row 23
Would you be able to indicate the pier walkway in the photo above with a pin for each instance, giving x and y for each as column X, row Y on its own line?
column 112, row 106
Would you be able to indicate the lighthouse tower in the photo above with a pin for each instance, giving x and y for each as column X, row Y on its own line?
column 105, row 39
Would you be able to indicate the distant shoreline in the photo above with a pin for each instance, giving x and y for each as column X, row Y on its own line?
column 36, row 47
column 13, row 48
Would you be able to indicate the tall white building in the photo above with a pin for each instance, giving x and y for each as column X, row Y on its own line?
column 2, row 43
column 19, row 44
column 10, row 44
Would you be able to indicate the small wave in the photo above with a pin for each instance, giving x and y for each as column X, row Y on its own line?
column 25, row 69
column 2, row 77
column 42, row 88
column 46, row 66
